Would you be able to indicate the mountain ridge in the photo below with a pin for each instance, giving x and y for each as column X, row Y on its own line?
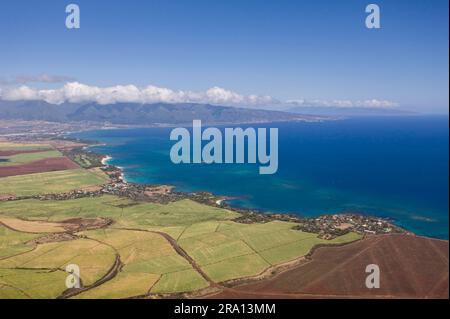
column 141, row 114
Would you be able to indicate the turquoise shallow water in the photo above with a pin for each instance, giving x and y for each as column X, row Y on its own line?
column 389, row 167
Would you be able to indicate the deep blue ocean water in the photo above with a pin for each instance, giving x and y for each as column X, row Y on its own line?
column 394, row 167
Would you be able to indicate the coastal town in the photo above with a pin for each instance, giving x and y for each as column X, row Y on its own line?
column 328, row 226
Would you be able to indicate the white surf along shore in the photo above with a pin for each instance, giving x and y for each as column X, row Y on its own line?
column 106, row 159
column 105, row 162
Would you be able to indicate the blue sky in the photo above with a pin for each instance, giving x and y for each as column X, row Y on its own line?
column 312, row 50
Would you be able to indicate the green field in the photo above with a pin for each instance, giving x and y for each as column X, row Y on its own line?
column 174, row 217
column 39, row 272
column 93, row 258
column 234, row 250
column 124, row 285
column 180, row 213
column 82, row 160
column 50, row 182
column 87, row 207
column 150, row 262
column 141, row 251
column 13, row 242
column 31, row 284
column 180, row 281
column 146, row 256
column 6, row 146
column 236, row 267
column 27, row 158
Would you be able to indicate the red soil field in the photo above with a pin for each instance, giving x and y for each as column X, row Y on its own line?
column 410, row 267
column 40, row 166
column 15, row 152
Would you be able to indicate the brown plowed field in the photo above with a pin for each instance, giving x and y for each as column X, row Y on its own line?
column 15, row 152
column 40, row 166
column 410, row 267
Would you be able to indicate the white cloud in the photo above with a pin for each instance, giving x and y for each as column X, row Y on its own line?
column 377, row 103
column 372, row 103
column 76, row 92
column 21, row 93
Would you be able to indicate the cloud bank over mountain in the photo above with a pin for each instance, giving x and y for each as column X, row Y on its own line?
column 75, row 92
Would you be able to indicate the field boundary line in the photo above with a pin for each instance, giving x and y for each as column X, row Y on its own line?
column 341, row 265
column 11, row 286
column 180, row 252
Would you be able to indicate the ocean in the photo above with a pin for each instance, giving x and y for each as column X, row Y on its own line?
column 392, row 167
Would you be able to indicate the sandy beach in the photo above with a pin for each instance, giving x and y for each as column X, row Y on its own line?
column 106, row 159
